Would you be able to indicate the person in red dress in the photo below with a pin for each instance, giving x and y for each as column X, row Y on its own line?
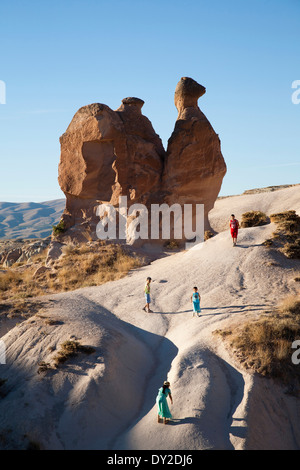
column 234, row 228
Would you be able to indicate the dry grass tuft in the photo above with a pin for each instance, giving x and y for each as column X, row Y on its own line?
column 265, row 345
column 83, row 266
column 80, row 266
column 253, row 219
column 172, row 245
column 21, row 308
column 287, row 235
column 292, row 249
column 284, row 216
column 268, row 242
column 19, row 284
column 208, row 234
column 70, row 349
column 43, row 367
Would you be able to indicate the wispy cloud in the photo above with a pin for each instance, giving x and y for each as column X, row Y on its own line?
column 275, row 165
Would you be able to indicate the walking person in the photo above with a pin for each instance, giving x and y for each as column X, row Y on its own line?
column 195, row 299
column 234, row 228
column 147, row 295
column 162, row 404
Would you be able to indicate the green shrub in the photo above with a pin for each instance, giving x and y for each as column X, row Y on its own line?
column 59, row 228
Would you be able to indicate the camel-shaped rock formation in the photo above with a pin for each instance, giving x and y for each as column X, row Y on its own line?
column 106, row 154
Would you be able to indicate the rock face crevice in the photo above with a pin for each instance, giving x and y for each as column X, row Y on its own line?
column 106, row 154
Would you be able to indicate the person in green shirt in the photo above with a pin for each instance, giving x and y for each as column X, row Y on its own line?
column 147, row 295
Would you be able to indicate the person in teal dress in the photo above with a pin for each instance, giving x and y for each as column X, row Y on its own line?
column 195, row 299
column 162, row 404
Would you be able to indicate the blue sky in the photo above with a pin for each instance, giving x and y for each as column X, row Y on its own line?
column 57, row 56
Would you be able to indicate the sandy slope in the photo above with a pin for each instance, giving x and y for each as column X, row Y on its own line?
column 267, row 202
column 107, row 399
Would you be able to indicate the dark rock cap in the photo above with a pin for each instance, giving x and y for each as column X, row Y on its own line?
column 133, row 101
column 189, row 87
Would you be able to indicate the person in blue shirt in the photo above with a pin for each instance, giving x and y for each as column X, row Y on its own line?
column 195, row 299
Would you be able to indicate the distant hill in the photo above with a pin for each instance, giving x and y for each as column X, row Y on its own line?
column 29, row 219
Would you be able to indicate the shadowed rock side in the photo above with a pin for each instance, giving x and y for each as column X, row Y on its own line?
column 106, row 154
